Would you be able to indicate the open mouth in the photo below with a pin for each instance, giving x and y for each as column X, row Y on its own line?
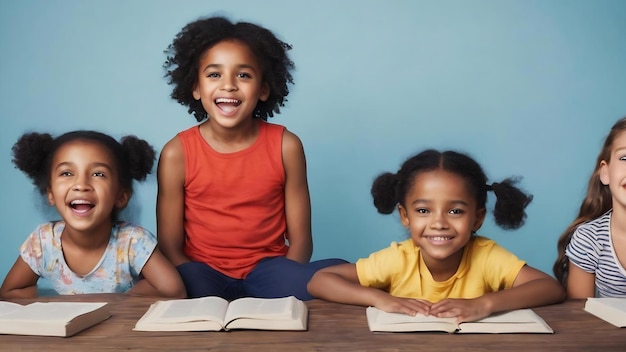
column 81, row 205
column 227, row 105
column 439, row 238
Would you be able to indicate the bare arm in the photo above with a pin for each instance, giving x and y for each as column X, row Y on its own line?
column 340, row 284
column 297, row 200
column 160, row 279
column 170, row 202
column 20, row 282
column 531, row 288
column 580, row 284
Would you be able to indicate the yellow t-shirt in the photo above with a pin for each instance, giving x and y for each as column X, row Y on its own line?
column 401, row 271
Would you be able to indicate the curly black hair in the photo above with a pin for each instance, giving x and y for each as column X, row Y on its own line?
column 33, row 154
column 185, row 51
column 389, row 190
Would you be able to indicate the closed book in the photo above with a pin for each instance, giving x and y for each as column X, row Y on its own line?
column 50, row 318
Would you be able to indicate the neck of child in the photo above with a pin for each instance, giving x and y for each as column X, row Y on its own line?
column 94, row 239
column 230, row 139
column 618, row 221
column 444, row 269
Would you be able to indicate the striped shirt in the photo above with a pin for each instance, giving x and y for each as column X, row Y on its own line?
column 591, row 249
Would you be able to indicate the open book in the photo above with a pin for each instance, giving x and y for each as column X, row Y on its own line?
column 50, row 318
column 611, row 309
column 516, row 321
column 215, row 314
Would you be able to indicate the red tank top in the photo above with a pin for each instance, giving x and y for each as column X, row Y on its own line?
column 234, row 202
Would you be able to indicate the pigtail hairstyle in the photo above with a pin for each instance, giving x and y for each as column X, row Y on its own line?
column 32, row 154
column 384, row 193
column 184, row 54
column 597, row 201
column 389, row 190
column 509, row 210
column 139, row 157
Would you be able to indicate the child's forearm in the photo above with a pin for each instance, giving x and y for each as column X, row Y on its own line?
column 531, row 294
column 173, row 252
column 333, row 287
column 300, row 253
column 25, row 292
column 300, row 247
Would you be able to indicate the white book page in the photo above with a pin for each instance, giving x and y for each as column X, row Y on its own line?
column 8, row 308
column 398, row 318
column 517, row 321
column 613, row 302
column 52, row 311
column 515, row 316
column 262, row 308
column 188, row 310
column 379, row 320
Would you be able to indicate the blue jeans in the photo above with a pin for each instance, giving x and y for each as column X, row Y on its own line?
column 272, row 277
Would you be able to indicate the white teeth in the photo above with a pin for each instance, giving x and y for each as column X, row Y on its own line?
column 440, row 238
column 80, row 201
column 227, row 101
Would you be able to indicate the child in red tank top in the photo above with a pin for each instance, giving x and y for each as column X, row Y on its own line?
column 233, row 207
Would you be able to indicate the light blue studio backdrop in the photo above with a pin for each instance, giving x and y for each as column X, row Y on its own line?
column 529, row 88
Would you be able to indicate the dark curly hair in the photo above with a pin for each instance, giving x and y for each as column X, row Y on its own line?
column 389, row 190
column 33, row 154
column 185, row 51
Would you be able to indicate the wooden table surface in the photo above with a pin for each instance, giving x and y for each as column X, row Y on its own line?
column 332, row 327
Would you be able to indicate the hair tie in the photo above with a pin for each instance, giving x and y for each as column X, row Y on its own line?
column 493, row 186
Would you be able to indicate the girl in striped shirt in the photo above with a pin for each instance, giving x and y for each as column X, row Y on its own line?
column 592, row 251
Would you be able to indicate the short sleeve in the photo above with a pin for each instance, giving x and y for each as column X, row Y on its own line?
column 501, row 267
column 141, row 246
column 31, row 252
column 377, row 269
column 584, row 249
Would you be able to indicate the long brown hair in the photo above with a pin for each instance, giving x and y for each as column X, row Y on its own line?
column 597, row 202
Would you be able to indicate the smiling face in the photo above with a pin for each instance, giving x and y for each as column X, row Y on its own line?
column 84, row 186
column 230, row 83
column 441, row 214
column 613, row 171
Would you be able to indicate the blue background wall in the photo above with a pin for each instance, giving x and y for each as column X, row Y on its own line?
column 529, row 88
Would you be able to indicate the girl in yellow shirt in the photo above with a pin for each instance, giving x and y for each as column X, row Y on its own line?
column 444, row 269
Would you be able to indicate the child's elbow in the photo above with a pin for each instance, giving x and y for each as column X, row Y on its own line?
column 562, row 294
column 557, row 291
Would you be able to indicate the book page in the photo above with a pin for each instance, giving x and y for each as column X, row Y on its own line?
column 9, row 307
column 516, row 321
column 398, row 318
column 262, row 308
column 515, row 316
column 52, row 311
column 188, row 310
column 379, row 320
